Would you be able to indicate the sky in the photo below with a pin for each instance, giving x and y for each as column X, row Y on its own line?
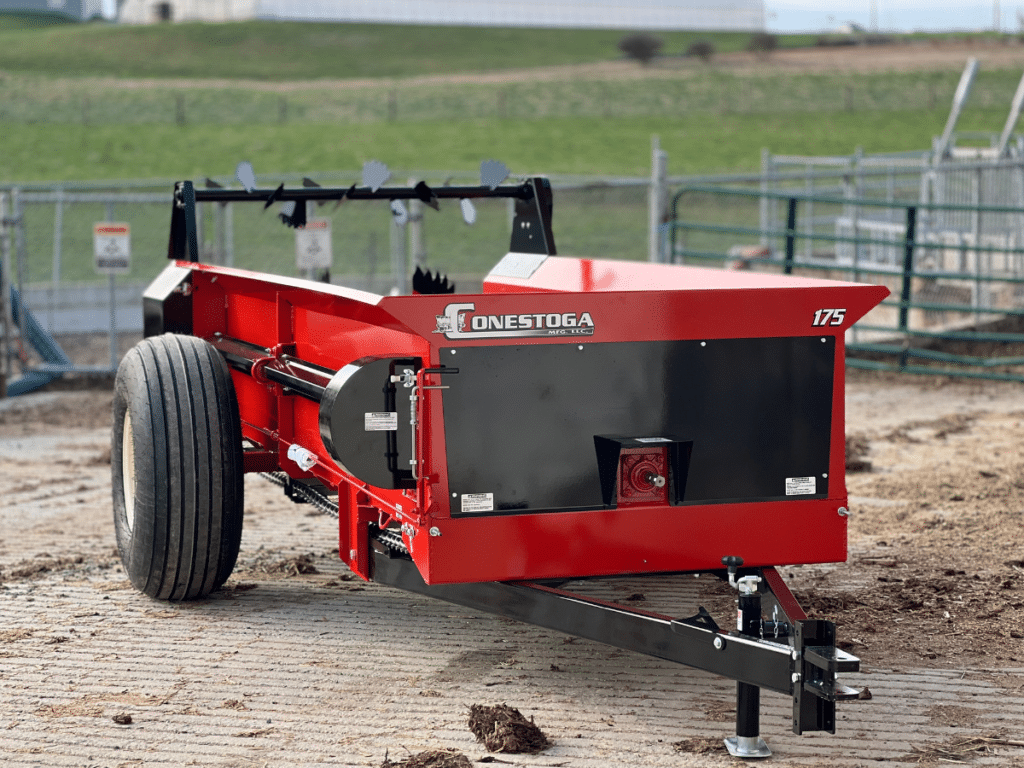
column 883, row 15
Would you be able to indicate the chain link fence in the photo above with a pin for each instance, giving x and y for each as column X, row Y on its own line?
column 49, row 249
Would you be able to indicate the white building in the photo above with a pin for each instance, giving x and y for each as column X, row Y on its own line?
column 75, row 9
column 150, row 11
column 581, row 14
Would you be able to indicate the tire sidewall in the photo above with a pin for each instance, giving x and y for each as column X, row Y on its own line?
column 130, row 539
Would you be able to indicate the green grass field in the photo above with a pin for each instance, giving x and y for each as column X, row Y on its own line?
column 268, row 50
column 40, row 100
column 696, row 144
column 59, row 127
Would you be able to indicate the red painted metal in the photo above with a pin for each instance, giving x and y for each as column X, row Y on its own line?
column 638, row 468
column 582, row 301
column 787, row 602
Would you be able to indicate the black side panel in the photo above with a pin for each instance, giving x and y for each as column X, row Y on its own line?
column 353, row 417
column 520, row 421
column 167, row 303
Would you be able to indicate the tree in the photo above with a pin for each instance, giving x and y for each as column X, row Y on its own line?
column 762, row 43
column 701, row 49
column 641, row 46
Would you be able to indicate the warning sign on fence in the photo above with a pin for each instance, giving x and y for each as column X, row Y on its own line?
column 112, row 247
column 313, row 245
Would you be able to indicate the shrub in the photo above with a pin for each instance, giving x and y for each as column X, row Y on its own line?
column 641, row 46
column 763, row 43
column 701, row 49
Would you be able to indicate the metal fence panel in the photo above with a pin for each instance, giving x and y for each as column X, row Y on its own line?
column 52, row 264
column 955, row 270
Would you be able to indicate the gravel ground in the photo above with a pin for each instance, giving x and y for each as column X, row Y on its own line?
column 297, row 663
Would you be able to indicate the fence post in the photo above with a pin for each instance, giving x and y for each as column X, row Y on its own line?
column 229, row 235
column 5, row 297
column 20, row 254
column 790, row 236
column 58, row 237
column 218, row 233
column 809, row 212
column 766, row 161
column 113, row 305
column 417, row 247
column 656, row 200
column 399, row 261
column 908, row 275
column 976, row 198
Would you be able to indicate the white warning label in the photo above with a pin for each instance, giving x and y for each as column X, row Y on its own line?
column 380, row 422
column 801, row 486
column 478, row 502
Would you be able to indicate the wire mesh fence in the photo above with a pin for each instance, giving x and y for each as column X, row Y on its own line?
column 52, row 266
column 957, row 303
column 955, row 271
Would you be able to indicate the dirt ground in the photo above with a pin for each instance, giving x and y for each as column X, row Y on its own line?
column 273, row 671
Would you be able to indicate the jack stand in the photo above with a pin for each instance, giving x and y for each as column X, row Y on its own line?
column 747, row 742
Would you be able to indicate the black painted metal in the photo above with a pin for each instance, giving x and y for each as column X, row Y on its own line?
column 690, row 642
column 298, row 376
column 748, row 697
column 240, row 355
column 790, row 236
column 531, row 228
column 425, row 282
column 524, row 191
column 756, row 410
column 907, row 286
column 305, row 379
column 167, row 303
column 184, row 244
column 812, row 708
column 380, row 458
column 748, row 710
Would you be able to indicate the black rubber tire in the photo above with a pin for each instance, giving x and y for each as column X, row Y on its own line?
column 176, row 470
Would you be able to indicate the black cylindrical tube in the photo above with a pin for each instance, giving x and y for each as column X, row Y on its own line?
column 749, row 617
column 748, row 707
column 748, row 697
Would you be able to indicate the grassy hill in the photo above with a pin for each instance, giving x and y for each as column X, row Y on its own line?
column 74, row 105
column 272, row 50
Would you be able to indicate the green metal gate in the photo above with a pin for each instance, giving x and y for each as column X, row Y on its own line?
column 955, row 272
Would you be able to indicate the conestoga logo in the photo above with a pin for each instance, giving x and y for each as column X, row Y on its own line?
column 453, row 324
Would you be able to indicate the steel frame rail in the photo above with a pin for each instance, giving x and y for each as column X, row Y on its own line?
column 805, row 668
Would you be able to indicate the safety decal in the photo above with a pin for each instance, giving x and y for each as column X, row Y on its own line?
column 801, row 486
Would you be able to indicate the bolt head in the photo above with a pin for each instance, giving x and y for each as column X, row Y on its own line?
column 435, row 531
column 843, row 512
column 719, row 643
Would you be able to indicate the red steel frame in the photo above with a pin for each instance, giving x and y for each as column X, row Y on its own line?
column 331, row 326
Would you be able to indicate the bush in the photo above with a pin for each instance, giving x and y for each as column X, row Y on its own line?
column 763, row 43
column 641, row 46
column 701, row 49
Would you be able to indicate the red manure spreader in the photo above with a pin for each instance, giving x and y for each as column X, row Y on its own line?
column 578, row 418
